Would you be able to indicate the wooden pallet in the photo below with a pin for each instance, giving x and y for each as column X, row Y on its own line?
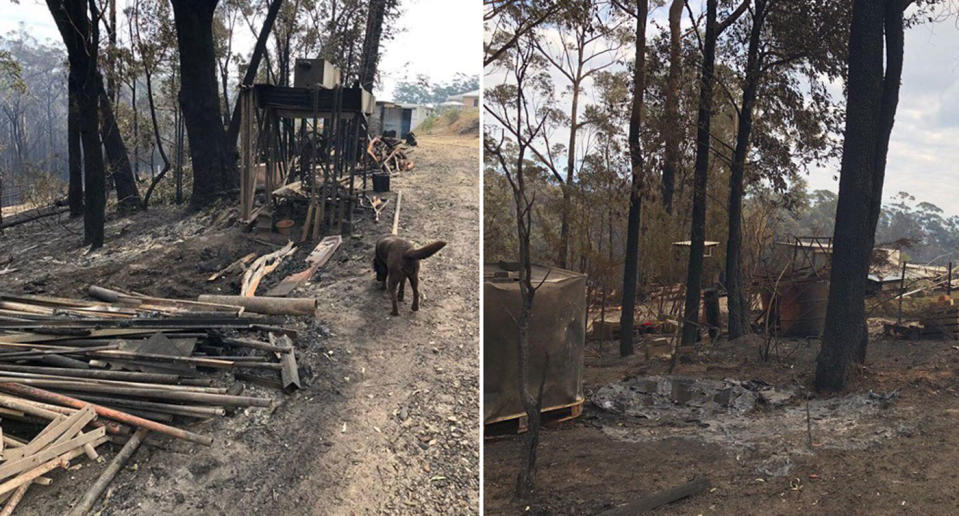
column 519, row 423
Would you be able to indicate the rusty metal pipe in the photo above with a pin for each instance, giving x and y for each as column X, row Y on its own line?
column 116, row 415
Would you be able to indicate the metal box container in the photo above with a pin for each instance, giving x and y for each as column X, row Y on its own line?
column 315, row 73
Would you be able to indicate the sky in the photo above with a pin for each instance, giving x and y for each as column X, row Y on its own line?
column 923, row 155
column 437, row 38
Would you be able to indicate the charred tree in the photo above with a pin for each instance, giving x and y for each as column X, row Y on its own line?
column 371, row 43
column 672, row 127
column 523, row 126
column 738, row 308
column 630, row 267
column 80, row 38
column 74, row 155
column 871, row 101
column 213, row 171
column 258, row 50
column 697, row 237
column 118, row 162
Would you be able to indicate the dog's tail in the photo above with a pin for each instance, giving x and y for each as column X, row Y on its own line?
column 426, row 251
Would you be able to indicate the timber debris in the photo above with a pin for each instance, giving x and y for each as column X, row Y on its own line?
column 76, row 374
column 391, row 154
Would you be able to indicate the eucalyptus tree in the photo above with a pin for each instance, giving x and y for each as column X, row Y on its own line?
column 786, row 67
column 875, row 60
column 520, row 107
column 589, row 36
column 81, row 38
column 714, row 28
column 636, row 162
column 214, row 173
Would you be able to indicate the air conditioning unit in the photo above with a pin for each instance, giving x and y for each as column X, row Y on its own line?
column 315, row 73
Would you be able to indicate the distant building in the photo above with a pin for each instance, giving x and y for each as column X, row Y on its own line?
column 470, row 99
column 402, row 118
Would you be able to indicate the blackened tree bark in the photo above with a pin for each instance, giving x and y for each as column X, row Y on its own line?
column 258, row 50
column 738, row 309
column 694, row 274
column 672, row 127
column 371, row 43
column 79, row 37
column 213, row 171
column 697, row 238
column 74, row 155
column 118, row 162
column 630, row 268
column 871, row 101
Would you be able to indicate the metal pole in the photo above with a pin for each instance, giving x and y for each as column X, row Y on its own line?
column 949, row 282
column 902, row 291
column 116, row 415
column 90, row 497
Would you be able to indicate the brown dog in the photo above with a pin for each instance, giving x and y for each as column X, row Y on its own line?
column 397, row 260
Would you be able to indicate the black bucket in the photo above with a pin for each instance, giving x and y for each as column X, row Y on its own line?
column 381, row 183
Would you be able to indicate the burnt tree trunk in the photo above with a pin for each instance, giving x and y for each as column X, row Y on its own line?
column 570, row 169
column 871, row 101
column 371, row 43
column 213, row 172
column 74, row 155
column 148, row 75
column 118, row 162
column 672, row 128
column 258, row 50
column 738, row 308
column 631, row 266
column 697, row 237
column 80, row 38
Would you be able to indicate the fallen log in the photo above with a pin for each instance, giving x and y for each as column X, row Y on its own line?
column 266, row 305
column 656, row 500
column 31, row 215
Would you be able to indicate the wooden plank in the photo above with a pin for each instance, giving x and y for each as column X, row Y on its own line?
column 44, row 468
column 324, row 250
column 233, row 267
column 320, row 255
column 56, row 432
column 14, row 500
column 13, row 467
column 396, row 213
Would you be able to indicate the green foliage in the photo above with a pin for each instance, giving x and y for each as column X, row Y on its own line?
column 422, row 90
column 11, row 79
column 916, row 226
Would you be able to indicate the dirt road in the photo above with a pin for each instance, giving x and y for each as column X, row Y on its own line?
column 389, row 420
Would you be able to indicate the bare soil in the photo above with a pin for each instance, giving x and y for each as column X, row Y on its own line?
column 896, row 459
column 388, row 420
